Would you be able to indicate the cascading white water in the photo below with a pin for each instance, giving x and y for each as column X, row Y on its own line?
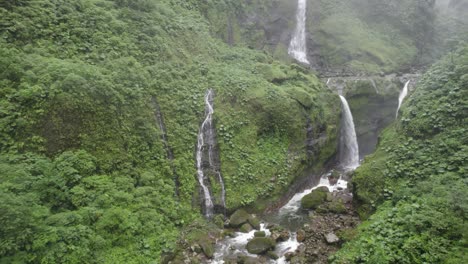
column 206, row 126
column 223, row 190
column 349, row 150
column 297, row 46
column 349, row 159
column 402, row 96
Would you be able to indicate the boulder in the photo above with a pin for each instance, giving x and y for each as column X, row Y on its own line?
column 288, row 256
column 337, row 206
column 245, row 228
column 249, row 260
column 314, row 199
column 208, row 248
column 272, row 255
column 331, row 238
column 255, row 222
column 239, row 218
column 260, row 245
column 300, row 236
column 260, row 234
column 279, row 234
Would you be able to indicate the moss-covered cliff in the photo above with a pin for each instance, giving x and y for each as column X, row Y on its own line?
column 345, row 37
column 85, row 174
column 416, row 180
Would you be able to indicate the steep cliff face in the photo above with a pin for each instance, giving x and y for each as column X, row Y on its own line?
column 345, row 37
column 373, row 101
column 415, row 181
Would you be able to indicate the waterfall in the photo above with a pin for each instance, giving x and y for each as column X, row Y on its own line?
column 349, row 150
column 374, row 85
column 402, row 96
column 206, row 146
column 297, row 47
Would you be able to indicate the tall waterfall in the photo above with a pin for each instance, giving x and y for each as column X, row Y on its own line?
column 402, row 96
column 206, row 126
column 297, row 47
column 206, row 152
column 349, row 150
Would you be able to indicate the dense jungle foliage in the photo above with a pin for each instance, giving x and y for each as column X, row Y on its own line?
column 84, row 172
column 416, row 180
column 84, row 176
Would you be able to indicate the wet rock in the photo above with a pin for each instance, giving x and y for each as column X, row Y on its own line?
column 239, row 218
column 298, row 260
column 300, row 236
column 322, row 209
column 230, row 261
column 288, row 256
column 272, row 255
column 255, row 222
column 250, row 260
column 260, row 245
column 196, row 248
column 331, row 238
column 228, row 233
column 260, row 234
column 337, row 206
column 314, row 199
column 246, row 228
column 279, row 234
column 208, row 249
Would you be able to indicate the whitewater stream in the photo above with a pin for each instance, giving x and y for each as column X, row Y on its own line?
column 290, row 215
column 401, row 97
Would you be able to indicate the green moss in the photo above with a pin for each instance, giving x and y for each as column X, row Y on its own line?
column 314, row 199
column 260, row 245
column 238, row 218
column 414, row 184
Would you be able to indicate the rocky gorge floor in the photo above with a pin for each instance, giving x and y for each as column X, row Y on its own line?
column 328, row 221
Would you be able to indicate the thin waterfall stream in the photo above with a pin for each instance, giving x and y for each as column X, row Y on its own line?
column 206, row 145
column 297, row 47
column 349, row 149
column 208, row 202
column 291, row 216
column 402, row 96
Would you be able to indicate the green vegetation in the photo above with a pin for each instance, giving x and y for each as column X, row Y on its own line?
column 84, row 173
column 416, row 181
column 84, row 177
column 370, row 35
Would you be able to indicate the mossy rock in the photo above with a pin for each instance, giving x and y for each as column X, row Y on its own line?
column 254, row 222
column 247, row 260
column 322, row 209
column 272, row 255
column 337, row 206
column 246, row 228
column 208, row 248
column 238, row 218
column 260, row 234
column 314, row 199
column 260, row 245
